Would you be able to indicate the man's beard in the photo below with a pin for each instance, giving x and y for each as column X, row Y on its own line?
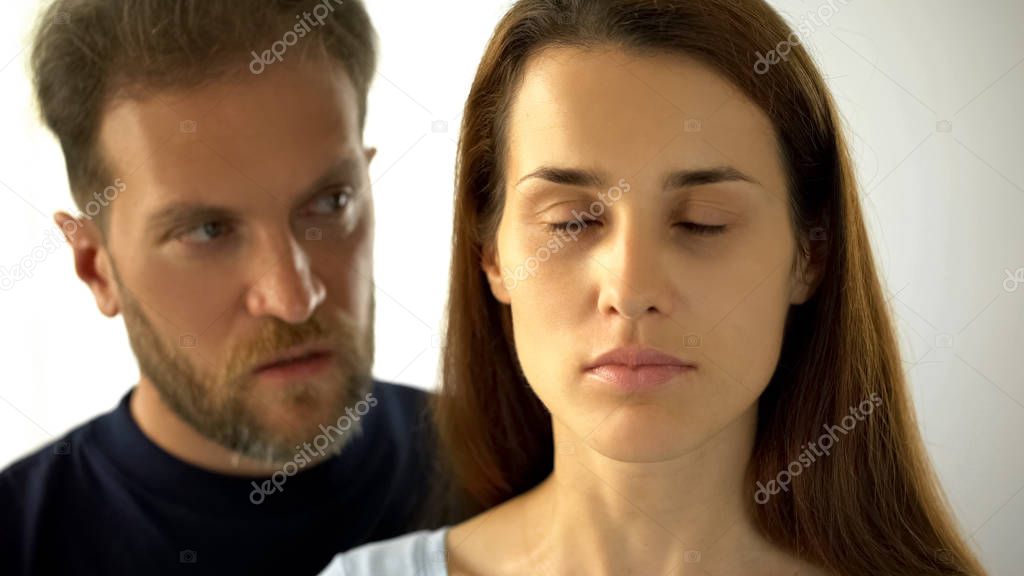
column 225, row 404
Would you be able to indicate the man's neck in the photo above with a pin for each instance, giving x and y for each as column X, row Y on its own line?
column 179, row 439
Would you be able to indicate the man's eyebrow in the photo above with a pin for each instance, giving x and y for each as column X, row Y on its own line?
column 183, row 212
column 700, row 177
column 346, row 169
column 187, row 211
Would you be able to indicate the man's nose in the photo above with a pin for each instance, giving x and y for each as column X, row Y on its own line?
column 285, row 285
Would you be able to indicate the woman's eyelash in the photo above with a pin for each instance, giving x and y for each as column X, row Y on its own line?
column 564, row 226
column 702, row 229
column 693, row 227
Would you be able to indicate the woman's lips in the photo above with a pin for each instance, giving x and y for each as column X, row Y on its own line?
column 637, row 378
column 635, row 368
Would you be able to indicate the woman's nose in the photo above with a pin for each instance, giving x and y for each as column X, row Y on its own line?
column 634, row 275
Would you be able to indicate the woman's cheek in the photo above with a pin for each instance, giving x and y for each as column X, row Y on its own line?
column 747, row 341
column 539, row 264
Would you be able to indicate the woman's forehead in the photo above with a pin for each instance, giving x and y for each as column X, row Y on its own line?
column 632, row 114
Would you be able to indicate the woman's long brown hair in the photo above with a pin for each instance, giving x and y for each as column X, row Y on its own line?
column 873, row 506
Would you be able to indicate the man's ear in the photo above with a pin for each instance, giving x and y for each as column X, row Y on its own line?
column 491, row 265
column 92, row 260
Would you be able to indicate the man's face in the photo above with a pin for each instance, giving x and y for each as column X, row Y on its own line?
column 244, row 232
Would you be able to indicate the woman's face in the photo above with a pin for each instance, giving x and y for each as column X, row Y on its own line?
column 646, row 205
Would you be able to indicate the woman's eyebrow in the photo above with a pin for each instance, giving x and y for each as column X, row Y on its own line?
column 703, row 176
column 567, row 176
column 673, row 181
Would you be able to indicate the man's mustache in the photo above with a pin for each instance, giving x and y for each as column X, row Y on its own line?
column 276, row 336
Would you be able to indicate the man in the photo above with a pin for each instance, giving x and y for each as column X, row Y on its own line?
column 215, row 150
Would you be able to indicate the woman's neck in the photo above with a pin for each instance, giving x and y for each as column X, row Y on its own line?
column 687, row 515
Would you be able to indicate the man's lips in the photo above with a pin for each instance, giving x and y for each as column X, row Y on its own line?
column 293, row 361
column 298, row 361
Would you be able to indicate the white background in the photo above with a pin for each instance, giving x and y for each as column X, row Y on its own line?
column 932, row 94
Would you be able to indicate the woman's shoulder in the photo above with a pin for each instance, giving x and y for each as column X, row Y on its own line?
column 419, row 553
column 490, row 542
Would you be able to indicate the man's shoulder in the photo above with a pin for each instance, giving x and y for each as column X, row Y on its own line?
column 55, row 454
column 405, row 406
column 39, row 470
column 39, row 484
column 401, row 392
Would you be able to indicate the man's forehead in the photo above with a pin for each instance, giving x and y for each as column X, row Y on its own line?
column 238, row 153
column 301, row 103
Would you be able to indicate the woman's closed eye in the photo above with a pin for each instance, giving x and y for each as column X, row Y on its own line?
column 692, row 227
column 702, row 229
column 576, row 224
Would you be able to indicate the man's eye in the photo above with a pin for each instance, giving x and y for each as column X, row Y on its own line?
column 204, row 233
column 332, row 202
column 702, row 229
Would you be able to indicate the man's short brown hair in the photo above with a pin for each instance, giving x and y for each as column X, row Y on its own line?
column 86, row 52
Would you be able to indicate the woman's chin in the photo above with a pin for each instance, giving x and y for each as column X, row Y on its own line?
column 646, row 434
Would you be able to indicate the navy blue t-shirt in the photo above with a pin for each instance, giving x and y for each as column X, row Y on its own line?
column 104, row 499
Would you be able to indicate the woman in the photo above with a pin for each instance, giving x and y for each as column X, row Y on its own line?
column 662, row 289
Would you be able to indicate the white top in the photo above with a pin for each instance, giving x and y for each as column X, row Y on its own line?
column 417, row 554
